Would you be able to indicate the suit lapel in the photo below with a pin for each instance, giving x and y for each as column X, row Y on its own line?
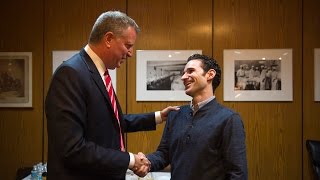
column 99, row 82
column 95, row 75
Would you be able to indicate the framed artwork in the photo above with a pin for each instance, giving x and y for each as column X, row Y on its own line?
column 316, row 74
column 15, row 79
column 257, row 75
column 159, row 74
column 58, row 57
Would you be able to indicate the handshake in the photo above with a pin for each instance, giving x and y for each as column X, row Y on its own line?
column 142, row 165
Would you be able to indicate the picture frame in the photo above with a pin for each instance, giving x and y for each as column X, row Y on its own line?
column 58, row 57
column 316, row 74
column 257, row 75
column 16, row 79
column 159, row 74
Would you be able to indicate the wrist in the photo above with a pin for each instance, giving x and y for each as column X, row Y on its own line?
column 158, row 117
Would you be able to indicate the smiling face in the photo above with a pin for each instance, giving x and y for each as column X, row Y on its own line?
column 197, row 82
column 119, row 48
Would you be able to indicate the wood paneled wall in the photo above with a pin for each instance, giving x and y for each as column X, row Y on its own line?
column 276, row 131
column 21, row 129
column 311, row 40
column 273, row 129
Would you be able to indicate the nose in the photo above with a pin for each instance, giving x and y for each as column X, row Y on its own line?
column 184, row 76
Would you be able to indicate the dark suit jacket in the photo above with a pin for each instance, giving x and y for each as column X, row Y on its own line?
column 83, row 133
column 207, row 146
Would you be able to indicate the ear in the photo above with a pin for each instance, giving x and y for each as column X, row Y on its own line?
column 108, row 38
column 210, row 74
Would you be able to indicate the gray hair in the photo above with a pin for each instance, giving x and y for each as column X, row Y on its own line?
column 111, row 21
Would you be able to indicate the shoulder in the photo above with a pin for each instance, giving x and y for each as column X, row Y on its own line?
column 232, row 117
column 183, row 111
column 224, row 111
column 75, row 62
column 72, row 66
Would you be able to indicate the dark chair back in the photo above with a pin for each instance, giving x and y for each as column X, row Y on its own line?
column 313, row 148
column 23, row 172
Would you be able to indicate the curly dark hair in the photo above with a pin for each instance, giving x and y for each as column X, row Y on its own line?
column 207, row 64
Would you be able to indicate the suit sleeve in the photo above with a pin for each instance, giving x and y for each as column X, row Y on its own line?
column 234, row 149
column 66, row 111
column 140, row 122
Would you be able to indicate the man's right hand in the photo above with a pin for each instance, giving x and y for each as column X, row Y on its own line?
column 142, row 165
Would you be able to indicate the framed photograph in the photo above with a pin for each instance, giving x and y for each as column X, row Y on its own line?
column 316, row 74
column 58, row 57
column 159, row 74
column 15, row 79
column 257, row 75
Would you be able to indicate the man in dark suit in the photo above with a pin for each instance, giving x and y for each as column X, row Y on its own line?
column 85, row 122
column 203, row 140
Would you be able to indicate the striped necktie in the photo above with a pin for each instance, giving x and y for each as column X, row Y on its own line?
column 114, row 104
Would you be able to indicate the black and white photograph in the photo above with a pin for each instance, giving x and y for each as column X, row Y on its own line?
column 15, row 79
column 257, row 75
column 159, row 74
column 165, row 75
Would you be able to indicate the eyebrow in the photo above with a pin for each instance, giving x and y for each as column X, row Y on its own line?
column 190, row 68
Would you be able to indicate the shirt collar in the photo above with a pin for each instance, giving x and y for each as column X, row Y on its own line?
column 96, row 60
column 196, row 107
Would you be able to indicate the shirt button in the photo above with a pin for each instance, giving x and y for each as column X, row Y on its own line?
column 188, row 137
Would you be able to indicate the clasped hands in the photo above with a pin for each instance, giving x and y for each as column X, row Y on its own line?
column 142, row 165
